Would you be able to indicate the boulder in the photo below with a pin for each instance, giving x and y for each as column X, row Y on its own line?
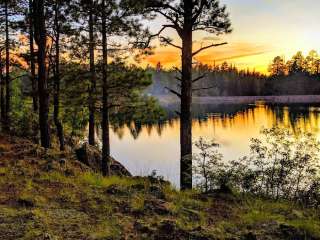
column 91, row 156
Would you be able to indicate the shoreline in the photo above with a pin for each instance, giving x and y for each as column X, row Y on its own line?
column 244, row 99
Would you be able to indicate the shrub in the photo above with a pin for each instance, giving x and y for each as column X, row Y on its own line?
column 283, row 164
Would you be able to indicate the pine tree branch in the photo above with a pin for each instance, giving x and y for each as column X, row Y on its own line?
column 174, row 92
column 207, row 47
column 206, row 88
column 167, row 41
column 199, row 78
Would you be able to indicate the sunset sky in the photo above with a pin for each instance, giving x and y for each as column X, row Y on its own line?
column 262, row 29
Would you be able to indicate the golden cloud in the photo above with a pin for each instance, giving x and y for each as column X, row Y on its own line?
column 170, row 57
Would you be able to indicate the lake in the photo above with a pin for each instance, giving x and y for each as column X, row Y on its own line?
column 143, row 149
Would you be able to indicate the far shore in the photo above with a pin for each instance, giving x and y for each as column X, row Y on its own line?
column 165, row 100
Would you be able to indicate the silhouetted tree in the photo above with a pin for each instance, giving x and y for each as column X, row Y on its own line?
column 185, row 17
column 105, row 91
column 41, row 40
column 297, row 63
column 278, row 67
column 32, row 58
column 8, row 9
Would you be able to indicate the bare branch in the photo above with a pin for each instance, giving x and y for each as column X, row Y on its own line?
column 210, row 46
column 166, row 40
column 151, row 37
column 199, row 78
column 178, row 78
column 206, row 88
column 174, row 92
column 175, row 22
column 177, row 69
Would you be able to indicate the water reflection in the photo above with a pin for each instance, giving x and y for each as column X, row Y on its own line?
column 143, row 148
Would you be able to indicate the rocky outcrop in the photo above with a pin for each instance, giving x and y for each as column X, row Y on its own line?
column 91, row 156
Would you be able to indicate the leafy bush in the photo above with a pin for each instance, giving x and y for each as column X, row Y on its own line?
column 283, row 164
column 206, row 163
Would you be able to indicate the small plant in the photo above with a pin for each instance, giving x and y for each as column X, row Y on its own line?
column 282, row 165
column 206, row 165
column 285, row 164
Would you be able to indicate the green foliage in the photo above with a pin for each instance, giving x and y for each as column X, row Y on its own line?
column 284, row 164
column 23, row 119
column 297, row 64
column 127, row 102
column 205, row 163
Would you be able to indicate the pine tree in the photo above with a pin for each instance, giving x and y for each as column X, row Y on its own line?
column 186, row 17
column 41, row 40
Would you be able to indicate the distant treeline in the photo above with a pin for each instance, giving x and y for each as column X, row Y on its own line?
column 297, row 76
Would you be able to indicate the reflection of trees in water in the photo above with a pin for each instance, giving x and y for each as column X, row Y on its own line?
column 296, row 116
column 136, row 128
column 293, row 116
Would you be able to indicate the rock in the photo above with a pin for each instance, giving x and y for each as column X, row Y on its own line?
column 118, row 169
column 91, row 156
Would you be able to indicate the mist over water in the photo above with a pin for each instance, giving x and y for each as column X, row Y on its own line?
column 145, row 148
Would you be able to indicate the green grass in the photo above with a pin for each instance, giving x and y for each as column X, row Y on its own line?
column 96, row 180
column 89, row 206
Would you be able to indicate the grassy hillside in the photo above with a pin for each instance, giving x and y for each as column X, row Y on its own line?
column 47, row 195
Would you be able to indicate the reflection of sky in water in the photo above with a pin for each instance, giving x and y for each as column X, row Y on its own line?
column 156, row 147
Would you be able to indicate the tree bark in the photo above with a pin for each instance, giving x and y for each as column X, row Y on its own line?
column 7, row 81
column 2, row 96
column 56, row 98
column 40, row 29
column 105, row 95
column 186, row 100
column 32, row 60
column 93, row 79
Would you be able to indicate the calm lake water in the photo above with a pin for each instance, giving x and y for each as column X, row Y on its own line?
column 143, row 149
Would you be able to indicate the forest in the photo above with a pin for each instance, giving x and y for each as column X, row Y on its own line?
column 297, row 76
column 71, row 77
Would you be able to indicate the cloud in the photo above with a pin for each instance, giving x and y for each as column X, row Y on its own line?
column 168, row 57
column 234, row 52
column 211, row 39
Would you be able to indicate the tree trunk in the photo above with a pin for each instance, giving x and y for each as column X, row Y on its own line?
column 56, row 98
column 93, row 79
column 186, row 100
column 32, row 60
column 39, row 18
column 8, row 84
column 2, row 96
column 105, row 107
